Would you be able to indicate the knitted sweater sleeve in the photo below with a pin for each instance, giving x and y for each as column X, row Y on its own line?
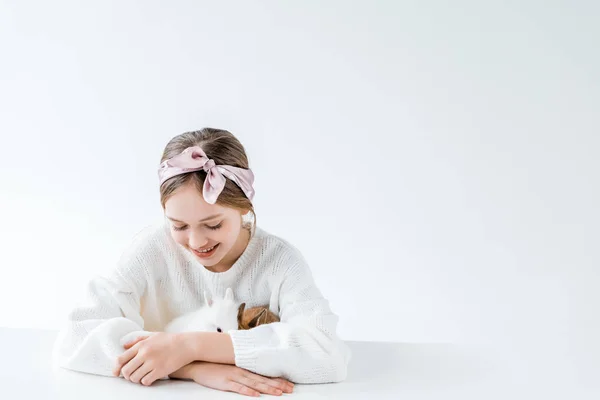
column 95, row 330
column 304, row 346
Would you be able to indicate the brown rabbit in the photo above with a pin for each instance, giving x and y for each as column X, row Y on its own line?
column 254, row 316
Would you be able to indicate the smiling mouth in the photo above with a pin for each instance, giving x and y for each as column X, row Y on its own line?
column 206, row 252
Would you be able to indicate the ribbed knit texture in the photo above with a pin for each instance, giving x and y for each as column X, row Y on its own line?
column 157, row 280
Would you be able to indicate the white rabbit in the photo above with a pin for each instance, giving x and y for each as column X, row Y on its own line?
column 218, row 315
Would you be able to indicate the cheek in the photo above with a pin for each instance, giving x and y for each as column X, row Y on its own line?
column 222, row 236
column 228, row 234
column 179, row 237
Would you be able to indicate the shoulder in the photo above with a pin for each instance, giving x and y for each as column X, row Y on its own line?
column 152, row 246
column 150, row 238
column 278, row 253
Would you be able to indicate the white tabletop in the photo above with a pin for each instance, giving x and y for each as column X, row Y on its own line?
column 377, row 371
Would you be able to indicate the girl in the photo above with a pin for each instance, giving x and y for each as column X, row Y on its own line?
column 208, row 241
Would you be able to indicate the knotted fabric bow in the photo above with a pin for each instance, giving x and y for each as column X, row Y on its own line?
column 195, row 159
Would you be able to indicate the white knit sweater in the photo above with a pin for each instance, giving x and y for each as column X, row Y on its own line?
column 157, row 280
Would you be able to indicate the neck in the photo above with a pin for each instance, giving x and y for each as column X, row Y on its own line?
column 234, row 254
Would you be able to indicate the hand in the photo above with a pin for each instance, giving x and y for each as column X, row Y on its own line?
column 230, row 378
column 149, row 358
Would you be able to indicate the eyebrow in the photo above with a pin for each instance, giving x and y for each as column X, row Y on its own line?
column 203, row 220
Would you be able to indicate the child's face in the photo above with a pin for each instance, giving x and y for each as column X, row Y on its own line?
column 209, row 231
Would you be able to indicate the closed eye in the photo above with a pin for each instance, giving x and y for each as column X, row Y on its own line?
column 215, row 227
column 211, row 227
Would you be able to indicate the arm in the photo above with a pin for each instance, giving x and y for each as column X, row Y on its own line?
column 187, row 372
column 211, row 347
column 304, row 346
column 91, row 339
column 230, row 378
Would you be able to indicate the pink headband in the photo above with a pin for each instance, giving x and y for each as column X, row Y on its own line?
column 195, row 159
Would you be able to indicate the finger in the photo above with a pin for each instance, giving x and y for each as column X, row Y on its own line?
column 282, row 384
column 141, row 372
column 289, row 385
column 124, row 359
column 277, row 383
column 150, row 378
column 241, row 389
column 129, row 345
column 131, row 367
column 259, row 385
column 284, row 381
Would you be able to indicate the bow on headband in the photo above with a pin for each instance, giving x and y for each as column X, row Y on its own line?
column 194, row 159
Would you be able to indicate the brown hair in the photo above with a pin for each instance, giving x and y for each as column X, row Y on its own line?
column 221, row 146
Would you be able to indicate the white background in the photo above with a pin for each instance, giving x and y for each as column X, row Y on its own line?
column 436, row 162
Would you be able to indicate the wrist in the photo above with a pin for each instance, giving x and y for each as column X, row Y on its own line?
column 208, row 346
column 187, row 372
column 193, row 344
column 216, row 348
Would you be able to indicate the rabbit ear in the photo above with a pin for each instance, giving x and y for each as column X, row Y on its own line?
column 254, row 322
column 262, row 317
column 207, row 300
column 229, row 294
column 240, row 315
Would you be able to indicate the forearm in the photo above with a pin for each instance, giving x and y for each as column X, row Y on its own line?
column 186, row 372
column 211, row 347
column 301, row 354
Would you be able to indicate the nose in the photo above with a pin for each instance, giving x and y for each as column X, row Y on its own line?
column 197, row 240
